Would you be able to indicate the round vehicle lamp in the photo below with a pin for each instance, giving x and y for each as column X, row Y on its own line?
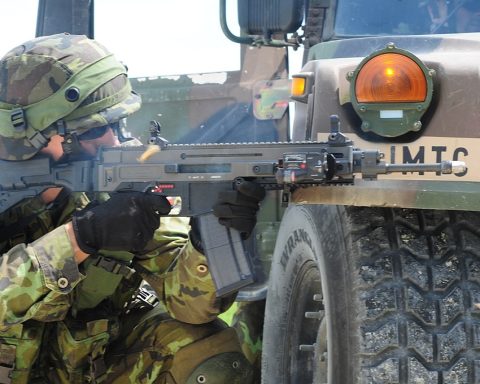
column 391, row 90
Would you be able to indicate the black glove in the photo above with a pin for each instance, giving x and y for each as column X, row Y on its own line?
column 238, row 209
column 125, row 222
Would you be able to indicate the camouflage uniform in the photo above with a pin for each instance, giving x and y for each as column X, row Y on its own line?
column 66, row 323
column 248, row 322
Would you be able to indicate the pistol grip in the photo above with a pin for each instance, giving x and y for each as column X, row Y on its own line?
column 229, row 263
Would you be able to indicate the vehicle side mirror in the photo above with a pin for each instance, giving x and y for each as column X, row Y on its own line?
column 260, row 19
column 266, row 17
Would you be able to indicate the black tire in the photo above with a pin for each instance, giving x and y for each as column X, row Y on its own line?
column 401, row 294
column 299, row 271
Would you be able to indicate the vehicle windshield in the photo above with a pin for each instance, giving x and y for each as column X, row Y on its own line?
column 198, row 84
column 406, row 17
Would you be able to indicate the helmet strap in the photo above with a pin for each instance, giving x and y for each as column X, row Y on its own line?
column 70, row 145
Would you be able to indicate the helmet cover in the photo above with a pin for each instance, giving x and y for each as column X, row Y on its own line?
column 63, row 80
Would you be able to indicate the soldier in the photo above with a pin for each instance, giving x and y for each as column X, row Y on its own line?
column 73, row 273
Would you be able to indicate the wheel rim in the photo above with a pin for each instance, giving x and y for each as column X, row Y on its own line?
column 307, row 329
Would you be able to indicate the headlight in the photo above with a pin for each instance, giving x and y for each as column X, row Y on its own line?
column 390, row 90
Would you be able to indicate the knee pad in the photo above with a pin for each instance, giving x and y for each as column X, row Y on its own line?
column 217, row 359
column 228, row 367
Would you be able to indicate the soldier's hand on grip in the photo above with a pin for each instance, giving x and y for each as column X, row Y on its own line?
column 238, row 209
column 126, row 222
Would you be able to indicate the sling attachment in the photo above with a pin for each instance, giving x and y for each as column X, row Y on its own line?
column 145, row 298
column 150, row 299
column 7, row 363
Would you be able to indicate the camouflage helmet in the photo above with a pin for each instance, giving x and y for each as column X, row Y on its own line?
column 59, row 84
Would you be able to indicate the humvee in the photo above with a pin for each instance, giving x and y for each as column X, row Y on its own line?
column 375, row 282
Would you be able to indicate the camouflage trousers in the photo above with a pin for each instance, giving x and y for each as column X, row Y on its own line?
column 149, row 347
column 248, row 322
column 166, row 351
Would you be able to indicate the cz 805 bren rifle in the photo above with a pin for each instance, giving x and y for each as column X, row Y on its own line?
column 197, row 172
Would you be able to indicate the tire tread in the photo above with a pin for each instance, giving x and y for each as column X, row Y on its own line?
column 418, row 275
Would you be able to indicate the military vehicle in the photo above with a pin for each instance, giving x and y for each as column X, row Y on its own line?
column 375, row 282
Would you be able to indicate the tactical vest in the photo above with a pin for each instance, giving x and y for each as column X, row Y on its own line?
column 80, row 340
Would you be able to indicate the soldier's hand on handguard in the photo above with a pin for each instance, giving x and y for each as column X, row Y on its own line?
column 238, row 209
column 126, row 222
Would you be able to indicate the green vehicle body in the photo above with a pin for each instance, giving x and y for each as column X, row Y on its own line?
column 252, row 104
column 447, row 131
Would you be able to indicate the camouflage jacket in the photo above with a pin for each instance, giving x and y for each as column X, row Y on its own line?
column 40, row 280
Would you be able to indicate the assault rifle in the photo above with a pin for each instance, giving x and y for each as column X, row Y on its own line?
column 197, row 172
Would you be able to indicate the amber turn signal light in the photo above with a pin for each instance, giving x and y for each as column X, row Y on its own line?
column 298, row 86
column 302, row 86
column 391, row 78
